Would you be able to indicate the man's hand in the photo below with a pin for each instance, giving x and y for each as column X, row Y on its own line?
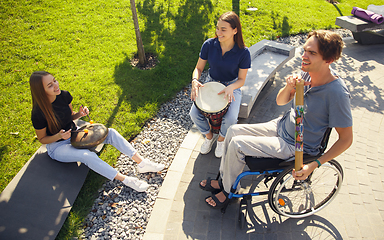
column 305, row 171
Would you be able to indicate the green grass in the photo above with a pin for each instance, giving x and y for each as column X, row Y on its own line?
column 87, row 45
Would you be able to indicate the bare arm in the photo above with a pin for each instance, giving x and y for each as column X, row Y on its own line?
column 81, row 113
column 238, row 84
column 343, row 143
column 45, row 139
column 62, row 134
column 195, row 77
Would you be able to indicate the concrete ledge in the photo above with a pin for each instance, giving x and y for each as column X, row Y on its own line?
column 267, row 57
column 356, row 24
column 35, row 204
column 365, row 32
column 158, row 220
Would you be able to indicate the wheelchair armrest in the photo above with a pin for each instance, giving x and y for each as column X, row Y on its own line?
column 256, row 164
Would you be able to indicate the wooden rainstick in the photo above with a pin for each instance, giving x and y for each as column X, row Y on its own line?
column 299, row 128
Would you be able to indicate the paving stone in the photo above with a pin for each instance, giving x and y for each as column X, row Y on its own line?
column 367, row 232
column 175, row 216
column 173, row 228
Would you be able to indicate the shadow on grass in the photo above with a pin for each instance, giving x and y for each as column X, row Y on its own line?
column 337, row 8
column 148, row 88
column 282, row 27
column 3, row 151
column 285, row 27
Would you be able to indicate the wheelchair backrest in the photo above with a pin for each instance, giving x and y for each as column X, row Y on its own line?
column 324, row 141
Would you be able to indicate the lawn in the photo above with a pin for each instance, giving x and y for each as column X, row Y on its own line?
column 87, row 45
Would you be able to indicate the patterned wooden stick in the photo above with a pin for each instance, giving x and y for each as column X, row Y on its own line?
column 299, row 128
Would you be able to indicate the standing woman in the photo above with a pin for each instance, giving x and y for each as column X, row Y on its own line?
column 229, row 61
column 52, row 118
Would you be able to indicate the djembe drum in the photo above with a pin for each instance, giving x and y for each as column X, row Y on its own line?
column 212, row 105
column 89, row 136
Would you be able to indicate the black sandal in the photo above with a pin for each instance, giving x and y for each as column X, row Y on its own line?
column 208, row 187
column 219, row 204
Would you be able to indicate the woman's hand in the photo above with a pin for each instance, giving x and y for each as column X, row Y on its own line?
column 195, row 89
column 228, row 93
column 65, row 134
column 83, row 111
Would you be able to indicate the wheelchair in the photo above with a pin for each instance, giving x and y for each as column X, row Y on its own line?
column 287, row 196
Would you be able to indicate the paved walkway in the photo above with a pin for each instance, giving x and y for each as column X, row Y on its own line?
column 356, row 213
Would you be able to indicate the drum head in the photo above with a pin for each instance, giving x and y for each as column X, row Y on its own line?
column 208, row 99
column 95, row 134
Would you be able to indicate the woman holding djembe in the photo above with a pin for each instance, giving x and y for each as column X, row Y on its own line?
column 52, row 118
column 229, row 61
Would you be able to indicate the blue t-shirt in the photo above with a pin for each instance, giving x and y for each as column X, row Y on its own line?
column 324, row 106
column 224, row 68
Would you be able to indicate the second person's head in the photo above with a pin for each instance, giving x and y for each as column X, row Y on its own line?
column 229, row 26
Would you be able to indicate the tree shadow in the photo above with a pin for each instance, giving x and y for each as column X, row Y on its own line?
column 285, row 27
column 280, row 25
column 261, row 221
column 357, row 69
column 162, row 29
column 3, row 151
column 337, row 8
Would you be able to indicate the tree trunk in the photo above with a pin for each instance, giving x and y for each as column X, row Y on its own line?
column 139, row 42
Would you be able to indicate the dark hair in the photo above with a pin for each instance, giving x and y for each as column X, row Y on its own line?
column 234, row 21
column 40, row 99
column 330, row 44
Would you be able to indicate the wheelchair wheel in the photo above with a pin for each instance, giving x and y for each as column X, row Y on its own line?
column 297, row 198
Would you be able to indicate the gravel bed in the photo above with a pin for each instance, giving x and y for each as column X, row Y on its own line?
column 299, row 40
column 122, row 213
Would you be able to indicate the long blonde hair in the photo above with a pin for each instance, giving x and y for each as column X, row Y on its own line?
column 40, row 99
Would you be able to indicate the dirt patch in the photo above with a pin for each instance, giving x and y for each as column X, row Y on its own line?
column 151, row 61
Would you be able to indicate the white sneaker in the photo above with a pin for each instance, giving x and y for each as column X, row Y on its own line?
column 219, row 149
column 148, row 166
column 135, row 183
column 206, row 146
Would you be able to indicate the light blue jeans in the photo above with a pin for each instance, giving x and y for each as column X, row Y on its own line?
column 229, row 118
column 257, row 140
column 63, row 151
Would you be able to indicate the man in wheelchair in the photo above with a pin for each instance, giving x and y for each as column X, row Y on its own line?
column 326, row 105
